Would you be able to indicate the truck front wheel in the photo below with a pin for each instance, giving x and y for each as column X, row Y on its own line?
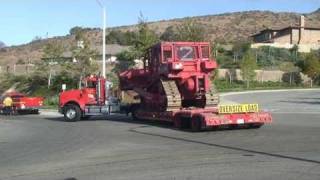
column 72, row 113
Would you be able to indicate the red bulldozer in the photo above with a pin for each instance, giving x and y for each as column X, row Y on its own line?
column 175, row 85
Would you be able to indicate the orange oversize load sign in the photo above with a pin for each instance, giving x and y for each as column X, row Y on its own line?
column 238, row 108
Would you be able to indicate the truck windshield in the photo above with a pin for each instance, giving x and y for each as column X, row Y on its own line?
column 91, row 84
column 186, row 53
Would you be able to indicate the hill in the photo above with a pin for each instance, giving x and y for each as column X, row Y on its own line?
column 227, row 27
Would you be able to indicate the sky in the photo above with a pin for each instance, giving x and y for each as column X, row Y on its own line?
column 22, row 20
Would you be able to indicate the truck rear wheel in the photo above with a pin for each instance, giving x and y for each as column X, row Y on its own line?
column 72, row 113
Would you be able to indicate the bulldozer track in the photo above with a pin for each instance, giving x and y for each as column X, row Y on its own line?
column 212, row 97
column 172, row 94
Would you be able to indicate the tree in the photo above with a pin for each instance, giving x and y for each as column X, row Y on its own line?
column 190, row 30
column 119, row 37
column 52, row 54
column 83, row 55
column 52, row 51
column 289, row 68
column 248, row 66
column 75, row 30
column 125, row 61
column 294, row 52
column 169, row 34
column 144, row 39
column 20, row 61
column 311, row 67
column 239, row 49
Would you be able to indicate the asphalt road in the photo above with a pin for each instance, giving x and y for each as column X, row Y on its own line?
column 41, row 147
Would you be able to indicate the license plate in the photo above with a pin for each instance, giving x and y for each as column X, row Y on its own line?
column 238, row 108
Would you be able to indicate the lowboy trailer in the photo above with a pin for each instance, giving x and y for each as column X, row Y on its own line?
column 174, row 85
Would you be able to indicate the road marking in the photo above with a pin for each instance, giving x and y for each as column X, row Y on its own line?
column 282, row 112
column 266, row 91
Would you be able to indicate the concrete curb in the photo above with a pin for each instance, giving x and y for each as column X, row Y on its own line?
column 49, row 110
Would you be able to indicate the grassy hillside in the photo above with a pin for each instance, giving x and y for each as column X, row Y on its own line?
column 228, row 27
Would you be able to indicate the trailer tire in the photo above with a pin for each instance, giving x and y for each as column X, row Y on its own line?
column 134, row 116
column 134, row 110
column 85, row 117
column 196, row 124
column 185, row 123
column 256, row 126
column 177, row 122
column 72, row 113
column 35, row 111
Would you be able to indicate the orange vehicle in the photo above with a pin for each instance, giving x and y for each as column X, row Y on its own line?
column 22, row 103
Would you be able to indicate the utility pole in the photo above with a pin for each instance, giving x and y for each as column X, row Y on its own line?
column 103, row 38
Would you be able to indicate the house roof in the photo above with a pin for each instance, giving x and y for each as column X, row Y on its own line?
column 111, row 49
column 283, row 29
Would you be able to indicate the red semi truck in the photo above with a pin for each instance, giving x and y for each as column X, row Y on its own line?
column 23, row 103
column 174, row 85
column 88, row 101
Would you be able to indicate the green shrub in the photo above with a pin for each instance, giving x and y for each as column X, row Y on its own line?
column 224, row 85
column 51, row 101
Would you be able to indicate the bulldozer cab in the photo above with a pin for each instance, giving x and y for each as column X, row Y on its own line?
column 166, row 57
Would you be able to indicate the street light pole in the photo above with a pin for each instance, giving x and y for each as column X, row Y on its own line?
column 103, row 38
column 104, row 43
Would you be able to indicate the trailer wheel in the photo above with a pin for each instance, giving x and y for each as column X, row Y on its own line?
column 185, row 122
column 196, row 124
column 177, row 122
column 134, row 115
column 256, row 125
column 72, row 113
column 85, row 117
column 134, row 110
column 35, row 111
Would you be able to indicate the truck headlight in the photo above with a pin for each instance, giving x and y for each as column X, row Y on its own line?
column 91, row 96
column 177, row 66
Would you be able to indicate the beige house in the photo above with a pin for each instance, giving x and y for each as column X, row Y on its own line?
column 306, row 38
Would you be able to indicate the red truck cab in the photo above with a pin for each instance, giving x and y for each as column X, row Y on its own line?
column 89, row 100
